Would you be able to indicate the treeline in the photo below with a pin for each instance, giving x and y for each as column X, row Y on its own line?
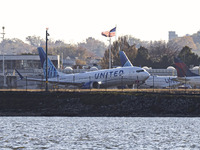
column 91, row 46
column 156, row 54
column 89, row 49
column 15, row 46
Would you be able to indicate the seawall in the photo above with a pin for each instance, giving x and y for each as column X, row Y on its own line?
column 119, row 104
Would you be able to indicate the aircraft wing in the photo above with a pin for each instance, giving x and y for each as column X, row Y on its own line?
column 55, row 82
column 49, row 80
column 181, row 79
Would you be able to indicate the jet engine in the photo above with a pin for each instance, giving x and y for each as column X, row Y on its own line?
column 130, row 86
column 91, row 85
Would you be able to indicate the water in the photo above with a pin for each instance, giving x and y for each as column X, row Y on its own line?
column 61, row 133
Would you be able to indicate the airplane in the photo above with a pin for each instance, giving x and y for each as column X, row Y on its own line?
column 152, row 81
column 185, row 75
column 94, row 79
column 160, row 82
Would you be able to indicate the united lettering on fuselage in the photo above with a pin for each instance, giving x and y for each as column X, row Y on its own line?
column 170, row 81
column 109, row 74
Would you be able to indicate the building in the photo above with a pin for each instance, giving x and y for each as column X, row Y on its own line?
column 170, row 71
column 27, row 63
column 172, row 35
column 68, row 62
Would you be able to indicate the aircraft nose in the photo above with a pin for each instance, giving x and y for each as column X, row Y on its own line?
column 146, row 75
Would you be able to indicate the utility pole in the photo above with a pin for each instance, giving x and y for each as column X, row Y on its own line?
column 47, row 34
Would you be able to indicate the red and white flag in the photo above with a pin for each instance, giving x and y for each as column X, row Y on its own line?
column 110, row 33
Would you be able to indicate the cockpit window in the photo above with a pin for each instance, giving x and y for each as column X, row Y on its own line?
column 139, row 71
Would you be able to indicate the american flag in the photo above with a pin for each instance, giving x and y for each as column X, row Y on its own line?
column 110, row 33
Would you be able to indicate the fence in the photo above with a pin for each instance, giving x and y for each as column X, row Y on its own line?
column 122, row 84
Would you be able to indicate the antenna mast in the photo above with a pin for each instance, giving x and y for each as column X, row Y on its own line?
column 3, row 33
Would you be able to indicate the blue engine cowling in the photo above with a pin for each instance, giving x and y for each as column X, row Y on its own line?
column 91, row 85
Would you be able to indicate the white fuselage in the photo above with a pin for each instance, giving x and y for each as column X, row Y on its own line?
column 193, row 80
column 160, row 82
column 106, row 77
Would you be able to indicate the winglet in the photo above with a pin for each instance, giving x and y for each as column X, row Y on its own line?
column 20, row 75
column 124, row 59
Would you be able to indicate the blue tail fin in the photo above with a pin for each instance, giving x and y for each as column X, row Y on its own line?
column 52, row 72
column 124, row 59
column 182, row 69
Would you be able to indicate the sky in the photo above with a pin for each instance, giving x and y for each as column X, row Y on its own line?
column 75, row 20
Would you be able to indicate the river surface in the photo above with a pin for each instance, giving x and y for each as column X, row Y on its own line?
column 61, row 133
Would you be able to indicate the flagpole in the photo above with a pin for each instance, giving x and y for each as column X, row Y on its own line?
column 116, row 33
column 110, row 54
column 109, row 34
column 47, row 34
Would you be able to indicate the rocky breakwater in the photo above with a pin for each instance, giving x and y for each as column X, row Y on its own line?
column 106, row 104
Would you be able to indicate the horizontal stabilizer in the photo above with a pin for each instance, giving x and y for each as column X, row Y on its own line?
column 20, row 75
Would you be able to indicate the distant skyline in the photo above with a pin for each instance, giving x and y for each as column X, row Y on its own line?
column 75, row 20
